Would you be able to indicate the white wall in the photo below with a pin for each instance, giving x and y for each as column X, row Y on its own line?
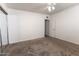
column 25, row 25
column 65, row 25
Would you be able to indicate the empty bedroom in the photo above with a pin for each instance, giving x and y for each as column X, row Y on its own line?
column 39, row 29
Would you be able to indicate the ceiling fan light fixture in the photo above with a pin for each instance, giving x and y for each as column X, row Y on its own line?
column 49, row 8
column 53, row 8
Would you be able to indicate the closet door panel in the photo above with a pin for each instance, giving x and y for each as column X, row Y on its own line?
column 0, row 27
column 3, row 27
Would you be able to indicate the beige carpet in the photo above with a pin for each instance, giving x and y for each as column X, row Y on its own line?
column 43, row 47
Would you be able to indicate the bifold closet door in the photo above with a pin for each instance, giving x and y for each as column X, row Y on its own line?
column 3, row 28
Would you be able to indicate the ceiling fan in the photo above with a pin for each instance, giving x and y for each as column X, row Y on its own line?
column 51, row 6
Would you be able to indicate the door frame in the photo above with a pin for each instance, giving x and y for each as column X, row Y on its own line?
column 45, row 28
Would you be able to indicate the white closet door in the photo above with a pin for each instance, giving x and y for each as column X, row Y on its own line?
column 3, row 27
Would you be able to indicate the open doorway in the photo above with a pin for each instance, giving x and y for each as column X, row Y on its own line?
column 46, row 27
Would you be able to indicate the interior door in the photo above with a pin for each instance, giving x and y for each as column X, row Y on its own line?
column 3, row 28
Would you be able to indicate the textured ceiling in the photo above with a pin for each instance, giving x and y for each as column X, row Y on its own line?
column 39, row 7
